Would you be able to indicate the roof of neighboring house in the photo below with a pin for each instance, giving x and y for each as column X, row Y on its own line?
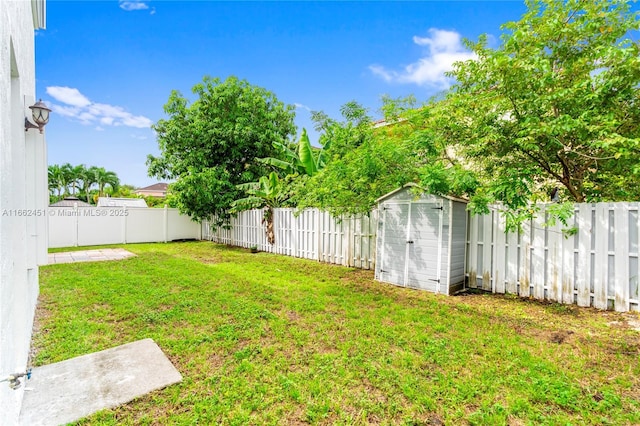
column 155, row 187
column 121, row 202
column 70, row 202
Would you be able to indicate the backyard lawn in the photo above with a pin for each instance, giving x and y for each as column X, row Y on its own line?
column 265, row 339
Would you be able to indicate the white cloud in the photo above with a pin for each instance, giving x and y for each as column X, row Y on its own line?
column 301, row 106
column 80, row 108
column 133, row 5
column 68, row 95
column 443, row 49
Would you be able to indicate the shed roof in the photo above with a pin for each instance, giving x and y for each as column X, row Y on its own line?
column 415, row 185
column 121, row 202
column 70, row 202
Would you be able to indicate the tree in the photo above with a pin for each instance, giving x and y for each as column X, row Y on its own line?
column 363, row 162
column 67, row 177
column 88, row 179
column 56, row 180
column 76, row 174
column 212, row 144
column 555, row 105
column 301, row 160
column 267, row 193
column 105, row 178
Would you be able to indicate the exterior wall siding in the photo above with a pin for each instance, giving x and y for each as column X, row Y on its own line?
column 23, row 196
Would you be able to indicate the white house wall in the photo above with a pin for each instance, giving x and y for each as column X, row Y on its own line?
column 23, row 198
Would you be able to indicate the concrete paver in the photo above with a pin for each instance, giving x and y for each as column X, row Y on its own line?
column 67, row 391
column 97, row 255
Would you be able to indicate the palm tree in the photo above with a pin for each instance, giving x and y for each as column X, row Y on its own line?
column 267, row 192
column 66, row 177
column 303, row 159
column 104, row 178
column 77, row 175
column 55, row 180
column 88, row 178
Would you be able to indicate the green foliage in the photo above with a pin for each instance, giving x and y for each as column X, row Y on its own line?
column 154, row 201
column 65, row 180
column 211, row 145
column 556, row 105
column 362, row 163
column 301, row 160
column 266, row 192
column 204, row 193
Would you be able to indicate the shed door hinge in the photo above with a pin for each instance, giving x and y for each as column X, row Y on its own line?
column 436, row 208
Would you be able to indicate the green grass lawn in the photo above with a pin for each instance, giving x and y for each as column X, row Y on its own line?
column 265, row 339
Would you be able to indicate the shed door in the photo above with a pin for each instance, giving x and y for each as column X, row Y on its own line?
column 394, row 243
column 425, row 246
column 412, row 242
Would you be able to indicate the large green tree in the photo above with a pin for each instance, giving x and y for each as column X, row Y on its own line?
column 212, row 145
column 556, row 105
column 364, row 161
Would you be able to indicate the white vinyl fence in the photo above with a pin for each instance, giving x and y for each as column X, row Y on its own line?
column 597, row 266
column 310, row 234
column 88, row 226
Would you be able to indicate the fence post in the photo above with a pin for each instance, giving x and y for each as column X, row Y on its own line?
column 538, row 231
column 75, row 224
column 601, row 265
column 621, row 246
column 583, row 277
column 165, row 228
column 499, row 266
column 318, row 236
column 124, row 224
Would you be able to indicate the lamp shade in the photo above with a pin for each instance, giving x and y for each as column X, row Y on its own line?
column 40, row 113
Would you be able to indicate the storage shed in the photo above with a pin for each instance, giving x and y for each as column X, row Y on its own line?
column 421, row 240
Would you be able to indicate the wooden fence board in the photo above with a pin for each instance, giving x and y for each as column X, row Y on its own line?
column 538, row 232
column 621, row 255
column 583, row 278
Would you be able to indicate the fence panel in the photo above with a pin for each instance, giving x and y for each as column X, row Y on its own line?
column 597, row 265
column 90, row 226
column 309, row 234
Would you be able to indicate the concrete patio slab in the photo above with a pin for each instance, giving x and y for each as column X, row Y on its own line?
column 97, row 255
column 67, row 391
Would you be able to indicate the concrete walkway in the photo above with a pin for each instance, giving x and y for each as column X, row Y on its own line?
column 89, row 255
column 67, row 391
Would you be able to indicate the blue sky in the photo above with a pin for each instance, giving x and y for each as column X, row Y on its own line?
column 108, row 67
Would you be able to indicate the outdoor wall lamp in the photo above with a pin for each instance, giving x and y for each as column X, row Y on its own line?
column 40, row 114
